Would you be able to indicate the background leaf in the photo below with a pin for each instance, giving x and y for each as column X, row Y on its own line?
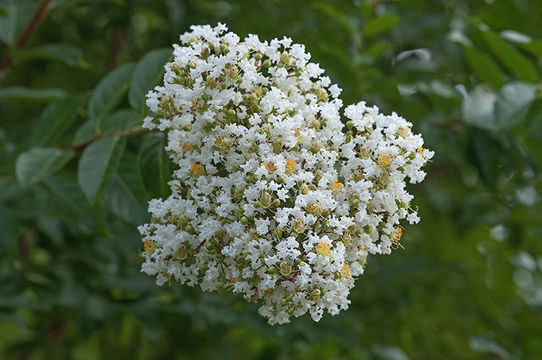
column 68, row 54
column 147, row 73
column 22, row 93
column 108, row 93
column 484, row 66
column 510, row 57
column 97, row 164
column 56, row 119
column 38, row 163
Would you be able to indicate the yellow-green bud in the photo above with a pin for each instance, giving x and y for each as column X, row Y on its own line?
column 315, row 294
column 266, row 199
column 285, row 268
column 298, row 226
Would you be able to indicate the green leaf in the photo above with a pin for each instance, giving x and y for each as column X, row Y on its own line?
column 65, row 200
column 147, row 73
column 56, row 119
column 381, row 24
column 108, row 93
column 510, row 57
column 334, row 13
column 534, row 47
column 512, row 104
column 84, row 133
column 155, row 166
column 485, row 153
column 123, row 119
column 23, row 93
column 478, row 107
column 125, row 194
column 18, row 13
column 10, row 231
column 534, row 117
column 38, row 163
column 485, row 68
column 68, row 54
column 97, row 164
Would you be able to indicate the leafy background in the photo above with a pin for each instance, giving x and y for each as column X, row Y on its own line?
column 77, row 170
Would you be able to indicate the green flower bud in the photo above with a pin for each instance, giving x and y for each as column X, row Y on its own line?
column 181, row 253
column 285, row 58
column 251, row 178
column 277, row 232
column 266, row 200
column 298, row 226
column 285, row 268
column 277, row 144
column 315, row 295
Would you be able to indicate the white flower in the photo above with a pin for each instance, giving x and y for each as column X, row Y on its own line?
column 275, row 197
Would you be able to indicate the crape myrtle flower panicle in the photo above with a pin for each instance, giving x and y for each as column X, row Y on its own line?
column 275, row 197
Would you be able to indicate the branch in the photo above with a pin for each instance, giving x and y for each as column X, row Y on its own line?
column 27, row 33
column 101, row 136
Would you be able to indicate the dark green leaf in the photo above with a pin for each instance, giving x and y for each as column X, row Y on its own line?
column 97, row 164
column 125, row 194
column 478, row 108
column 512, row 104
column 534, row 47
column 484, row 152
column 84, row 133
column 56, row 119
column 66, row 53
column 147, row 73
column 381, row 24
column 511, row 57
column 123, row 119
column 38, row 163
column 23, row 93
column 17, row 14
column 483, row 65
column 155, row 166
column 533, row 119
column 10, row 231
column 108, row 93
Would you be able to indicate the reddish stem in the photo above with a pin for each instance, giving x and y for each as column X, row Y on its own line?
column 27, row 33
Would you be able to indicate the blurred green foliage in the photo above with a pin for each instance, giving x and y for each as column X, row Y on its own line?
column 77, row 170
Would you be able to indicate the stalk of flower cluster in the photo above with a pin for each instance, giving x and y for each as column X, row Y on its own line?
column 274, row 197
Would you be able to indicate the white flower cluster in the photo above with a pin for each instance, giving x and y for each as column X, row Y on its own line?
column 274, row 196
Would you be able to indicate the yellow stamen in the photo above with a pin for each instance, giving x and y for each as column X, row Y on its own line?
column 290, row 166
column 397, row 237
column 337, row 185
column 197, row 169
column 324, row 249
column 422, row 152
column 384, row 160
column 148, row 244
column 271, row 168
column 346, row 271
column 232, row 279
column 219, row 140
column 187, row 147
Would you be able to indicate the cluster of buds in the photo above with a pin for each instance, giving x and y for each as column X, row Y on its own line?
column 276, row 197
